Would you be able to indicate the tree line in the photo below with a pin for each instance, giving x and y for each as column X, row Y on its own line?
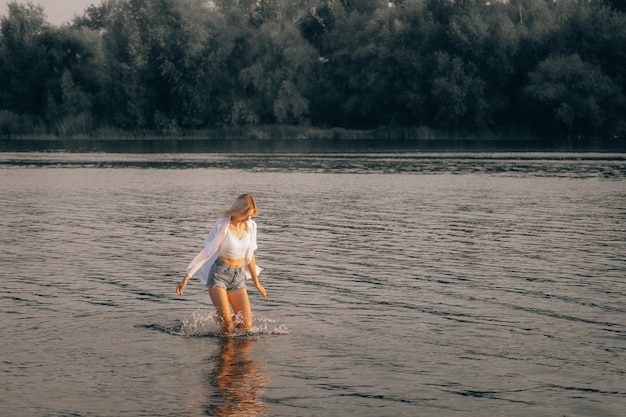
column 553, row 67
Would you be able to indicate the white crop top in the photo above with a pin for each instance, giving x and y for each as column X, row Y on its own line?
column 233, row 248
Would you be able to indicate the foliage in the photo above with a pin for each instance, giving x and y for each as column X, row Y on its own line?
column 177, row 66
column 22, row 69
column 573, row 95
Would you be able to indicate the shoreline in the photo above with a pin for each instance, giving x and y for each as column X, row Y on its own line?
column 305, row 139
column 306, row 145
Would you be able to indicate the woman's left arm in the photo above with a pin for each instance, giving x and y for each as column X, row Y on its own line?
column 255, row 277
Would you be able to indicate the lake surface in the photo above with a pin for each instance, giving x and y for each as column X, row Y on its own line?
column 398, row 285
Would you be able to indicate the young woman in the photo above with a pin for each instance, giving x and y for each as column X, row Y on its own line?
column 226, row 261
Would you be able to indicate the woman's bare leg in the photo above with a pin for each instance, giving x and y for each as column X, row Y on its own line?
column 219, row 297
column 241, row 304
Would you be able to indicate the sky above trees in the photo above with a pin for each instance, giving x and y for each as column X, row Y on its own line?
column 58, row 12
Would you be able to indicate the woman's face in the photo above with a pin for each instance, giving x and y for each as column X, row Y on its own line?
column 238, row 218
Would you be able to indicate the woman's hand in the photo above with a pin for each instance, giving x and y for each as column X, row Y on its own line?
column 181, row 285
column 261, row 289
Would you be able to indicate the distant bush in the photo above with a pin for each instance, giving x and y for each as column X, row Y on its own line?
column 80, row 125
column 17, row 125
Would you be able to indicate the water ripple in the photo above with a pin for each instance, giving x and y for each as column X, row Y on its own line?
column 460, row 285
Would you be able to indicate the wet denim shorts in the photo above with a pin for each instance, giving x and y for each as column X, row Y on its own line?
column 225, row 276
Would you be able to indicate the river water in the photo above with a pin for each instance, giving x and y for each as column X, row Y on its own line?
column 398, row 285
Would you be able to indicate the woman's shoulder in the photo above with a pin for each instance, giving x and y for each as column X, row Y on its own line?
column 220, row 224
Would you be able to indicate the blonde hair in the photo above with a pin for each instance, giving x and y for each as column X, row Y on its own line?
column 244, row 205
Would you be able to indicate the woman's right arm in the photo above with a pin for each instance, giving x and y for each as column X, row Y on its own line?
column 181, row 285
column 210, row 244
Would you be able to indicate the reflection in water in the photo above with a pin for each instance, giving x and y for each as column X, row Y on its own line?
column 236, row 382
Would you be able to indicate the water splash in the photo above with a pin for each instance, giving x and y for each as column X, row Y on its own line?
column 202, row 323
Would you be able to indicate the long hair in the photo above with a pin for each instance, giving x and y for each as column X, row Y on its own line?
column 244, row 205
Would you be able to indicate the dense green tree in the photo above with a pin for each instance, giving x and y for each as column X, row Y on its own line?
column 594, row 32
column 617, row 4
column 367, row 7
column 276, row 81
column 381, row 75
column 486, row 41
column 458, row 97
column 355, row 65
column 157, row 55
column 75, row 77
column 23, row 70
column 574, row 95
column 316, row 22
column 117, row 21
column 176, row 65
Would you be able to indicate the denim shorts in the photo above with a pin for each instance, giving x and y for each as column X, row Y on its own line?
column 225, row 276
